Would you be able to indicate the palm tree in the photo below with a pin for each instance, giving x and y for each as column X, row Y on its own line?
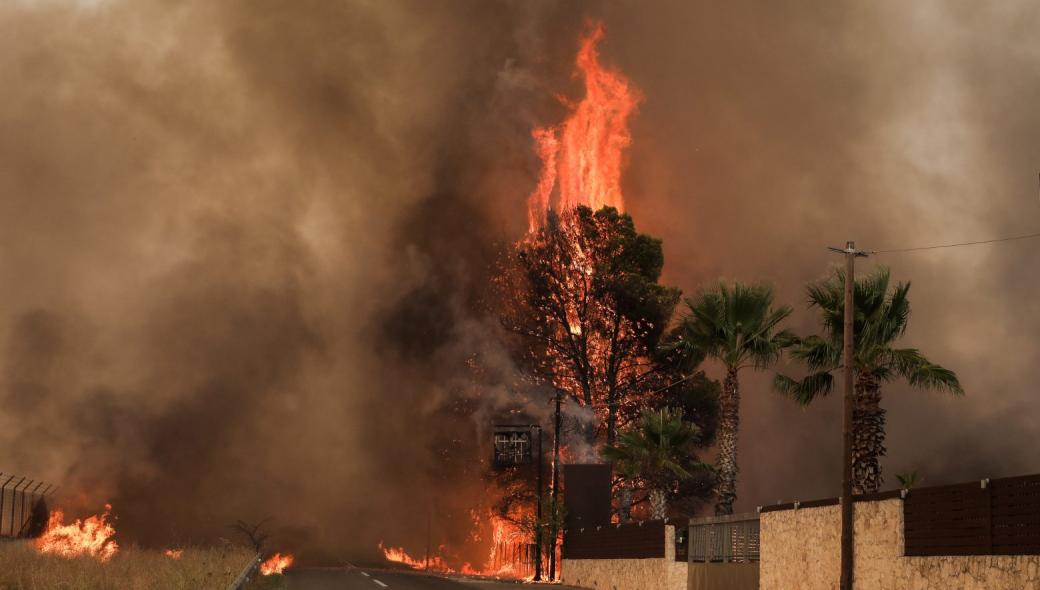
column 737, row 325
column 658, row 449
column 880, row 318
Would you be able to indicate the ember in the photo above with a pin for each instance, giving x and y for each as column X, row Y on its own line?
column 173, row 553
column 276, row 564
column 91, row 537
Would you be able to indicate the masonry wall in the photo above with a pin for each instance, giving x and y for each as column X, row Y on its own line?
column 801, row 551
column 653, row 573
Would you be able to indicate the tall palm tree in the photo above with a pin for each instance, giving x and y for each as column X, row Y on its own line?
column 880, row 318
column 738, row 325
column 658, row 449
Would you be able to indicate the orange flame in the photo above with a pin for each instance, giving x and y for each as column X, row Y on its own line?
column 173, row 553
column 399, row 555
column 506, row 539
column 91, row 537
column 584, row 156
column 276, row 564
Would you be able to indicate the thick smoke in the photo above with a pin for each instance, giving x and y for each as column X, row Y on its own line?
column 245, row 243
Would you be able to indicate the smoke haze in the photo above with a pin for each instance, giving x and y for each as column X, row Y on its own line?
column 243, row 244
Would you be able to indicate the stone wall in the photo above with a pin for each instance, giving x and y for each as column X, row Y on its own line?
column 628, row 574
column 801, row 551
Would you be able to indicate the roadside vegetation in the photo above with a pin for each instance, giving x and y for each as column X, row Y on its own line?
column 22, row 567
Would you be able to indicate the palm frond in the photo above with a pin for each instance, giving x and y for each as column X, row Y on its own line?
column 818, row 354
column 920, row 372
column 737, row 324
column 807, row 390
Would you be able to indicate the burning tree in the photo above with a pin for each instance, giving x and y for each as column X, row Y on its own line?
column 583, row 295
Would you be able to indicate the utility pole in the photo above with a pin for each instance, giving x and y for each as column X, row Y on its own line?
column 538, row 521
column 555, row 488
column 429, row 530
column 848, row 354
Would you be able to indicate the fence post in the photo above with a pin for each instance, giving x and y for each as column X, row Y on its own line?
column 14, row 492
column 988, row 499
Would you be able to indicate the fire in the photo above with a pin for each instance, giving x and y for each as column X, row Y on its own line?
column 276, row 564
column 399, row 555
column 92, row 537
column 173, row 553
column 505, row 558
column 583, row 156
column 581, row 164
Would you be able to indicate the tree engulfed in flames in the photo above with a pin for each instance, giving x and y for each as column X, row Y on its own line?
column 582, row 160
column 91, row 537
column 276, row 564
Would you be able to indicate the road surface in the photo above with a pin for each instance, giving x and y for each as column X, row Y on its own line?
column 352, row 578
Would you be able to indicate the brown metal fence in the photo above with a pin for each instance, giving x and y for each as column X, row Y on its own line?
column 626, row 541
column 989, row 517
column 725, row 539
column 18, row 496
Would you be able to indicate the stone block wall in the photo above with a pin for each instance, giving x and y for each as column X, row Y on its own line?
column 801, row 551
column 628, row 574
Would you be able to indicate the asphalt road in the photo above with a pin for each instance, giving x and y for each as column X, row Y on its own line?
column 350, row 578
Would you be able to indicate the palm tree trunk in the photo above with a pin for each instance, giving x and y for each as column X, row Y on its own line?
column 658, row 504
column 868, row 443
column 729, row 425
column 625, row 507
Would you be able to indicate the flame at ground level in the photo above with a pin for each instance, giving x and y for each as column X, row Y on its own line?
column 276, row 564
column 91, row 537
column 509, row 556
column 173, row 553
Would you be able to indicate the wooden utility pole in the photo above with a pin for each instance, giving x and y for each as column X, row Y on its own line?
column 554, row 507
column 538, row 514
column 848, row 360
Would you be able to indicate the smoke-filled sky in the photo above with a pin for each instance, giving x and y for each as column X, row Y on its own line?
column 242, row 242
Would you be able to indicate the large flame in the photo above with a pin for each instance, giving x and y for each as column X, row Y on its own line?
column 91, row 537
column 276, row 564
column 584, row 155
column 582, row 160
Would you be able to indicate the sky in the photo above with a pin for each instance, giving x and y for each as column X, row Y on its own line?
column 243, row 243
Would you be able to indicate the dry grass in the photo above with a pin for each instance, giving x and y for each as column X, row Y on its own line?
column 23, row 568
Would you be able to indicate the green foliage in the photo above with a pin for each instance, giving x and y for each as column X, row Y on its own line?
column 908, row 480
column 696, row 395
column 657, row 449
column 880, row 317
column 736, row 324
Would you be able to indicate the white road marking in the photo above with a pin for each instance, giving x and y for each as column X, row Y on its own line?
column 365, row 574
column 378, row 582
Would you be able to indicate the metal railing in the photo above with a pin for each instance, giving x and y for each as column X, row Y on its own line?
column 246, row 575
column 724, row 539
column 18, row 497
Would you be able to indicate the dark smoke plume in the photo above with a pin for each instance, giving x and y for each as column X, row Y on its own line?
column 244, row 243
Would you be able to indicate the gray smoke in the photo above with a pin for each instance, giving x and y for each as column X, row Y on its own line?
column 244, row 244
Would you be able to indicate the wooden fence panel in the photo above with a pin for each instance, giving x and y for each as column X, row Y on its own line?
column 992, row 517
column 628, row 541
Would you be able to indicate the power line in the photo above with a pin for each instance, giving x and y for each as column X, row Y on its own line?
column 958, row 244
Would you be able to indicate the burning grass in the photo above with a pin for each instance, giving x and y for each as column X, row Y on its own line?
column 23, row 567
